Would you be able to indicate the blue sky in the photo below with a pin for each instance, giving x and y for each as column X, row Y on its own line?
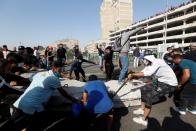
column 33, row 22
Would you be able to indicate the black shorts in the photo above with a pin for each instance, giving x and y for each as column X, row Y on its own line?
column 152, row 93
column 188, row 97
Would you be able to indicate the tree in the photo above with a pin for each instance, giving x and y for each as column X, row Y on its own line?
column 70, row 54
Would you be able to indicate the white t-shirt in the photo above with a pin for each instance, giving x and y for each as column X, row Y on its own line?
column 162, row 71
column 38, row 93
column 5, row 53
column 36, row 53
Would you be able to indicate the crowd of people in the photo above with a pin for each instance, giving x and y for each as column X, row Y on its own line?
column 174, row 73
column 184, row 66
column 38, row 90
column 172, row 8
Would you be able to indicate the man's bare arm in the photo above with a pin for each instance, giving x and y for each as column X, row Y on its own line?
column 185, row 76
column 136, row 75
column 85, row 98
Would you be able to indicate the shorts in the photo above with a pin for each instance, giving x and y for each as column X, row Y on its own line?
column 152, row 93
column 188, row 97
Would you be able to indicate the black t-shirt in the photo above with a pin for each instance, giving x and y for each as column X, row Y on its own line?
column 100, row 51
column 61, row 53
column 50, row 56
column 109, row 58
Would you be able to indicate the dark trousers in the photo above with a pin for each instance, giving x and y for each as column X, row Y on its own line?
column 77, row 74
column 109, row 70
column 61, row 60
column 188, row 97
column 176, row 96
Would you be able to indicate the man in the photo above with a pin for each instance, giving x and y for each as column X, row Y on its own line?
column 136, row 54
column 77, row 67
column 76, row 51
column 7, row 79
column 108, row 66
column 1, row 55
column 124, row 51
column 49, row 56
column 150, row 93
column 36, row 53
column 167, row 56
column 188, row 94
column 169, row 50
column 5, row 51
column 21, row 50
column 32, row 103
column 14, row 50
column 101, row 54
column 192, row 53
column 61, row 54
column 96, row 99
column 6, row 66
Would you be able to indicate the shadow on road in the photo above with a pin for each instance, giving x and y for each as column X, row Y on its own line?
column 153, row 125
column 173, row 123
column 118, row 114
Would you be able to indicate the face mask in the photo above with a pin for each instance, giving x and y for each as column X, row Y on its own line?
column 146, row 62
column 57, row 74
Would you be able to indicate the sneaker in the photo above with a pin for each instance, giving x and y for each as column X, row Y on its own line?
column 192, row 111
column 182, row 112
column 138, row 111
column 140, row 120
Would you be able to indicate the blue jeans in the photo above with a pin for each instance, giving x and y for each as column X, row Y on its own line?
column 100, row 61
column 125, row 64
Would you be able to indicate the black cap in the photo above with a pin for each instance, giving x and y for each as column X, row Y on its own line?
column 4, row 46
column 21, row 48
column 92, row 78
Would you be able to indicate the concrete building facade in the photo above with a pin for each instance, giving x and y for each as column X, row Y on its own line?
column 91, row 47
column 115, row 15
column 68, row 43
column 177, row 25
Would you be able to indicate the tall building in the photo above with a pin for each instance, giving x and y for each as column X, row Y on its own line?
column 115, row 15
column 177, row 25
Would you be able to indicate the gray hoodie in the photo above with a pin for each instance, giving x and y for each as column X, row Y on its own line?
column 125, row 44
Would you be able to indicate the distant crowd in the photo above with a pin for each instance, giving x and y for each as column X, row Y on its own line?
column 170, row 9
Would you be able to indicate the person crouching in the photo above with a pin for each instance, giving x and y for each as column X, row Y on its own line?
column 96, row 99
column 150, row 93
